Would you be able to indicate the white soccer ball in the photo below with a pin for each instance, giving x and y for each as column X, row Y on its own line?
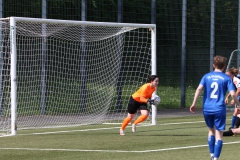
column 156, row 99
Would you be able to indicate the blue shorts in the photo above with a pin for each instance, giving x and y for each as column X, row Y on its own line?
column 217, row 119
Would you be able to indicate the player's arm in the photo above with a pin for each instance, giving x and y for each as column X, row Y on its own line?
column 234, row 97
column 197, row 93
column 143, row 94
column 226, row 99
column 237, row 93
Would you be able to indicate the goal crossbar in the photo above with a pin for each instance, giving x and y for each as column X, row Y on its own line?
column 84, row 23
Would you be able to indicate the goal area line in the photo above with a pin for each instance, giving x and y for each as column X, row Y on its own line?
column 116, row 151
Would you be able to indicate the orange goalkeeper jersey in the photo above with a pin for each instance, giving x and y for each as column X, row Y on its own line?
column 144, row 93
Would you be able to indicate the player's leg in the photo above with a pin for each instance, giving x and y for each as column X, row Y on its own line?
column 125, row 122
column 144, row 114
column 142, row 117
column 218, row 144
column 236, row 126
column 234, row 117
column 236, row 130
column 228, row 133
column 209, row 120
column 232, row 132
column 220, row 123
column 132, row 109
column 211, row 141
column 233, row 121
column 237, row 122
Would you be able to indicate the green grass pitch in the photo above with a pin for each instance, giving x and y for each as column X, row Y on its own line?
column 176, row 138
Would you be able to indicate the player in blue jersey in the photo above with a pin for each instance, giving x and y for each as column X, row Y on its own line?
column 215, row 85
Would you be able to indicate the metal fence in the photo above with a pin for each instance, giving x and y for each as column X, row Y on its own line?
column 189, row 33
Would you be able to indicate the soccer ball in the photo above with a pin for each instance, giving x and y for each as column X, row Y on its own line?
column 156, row 99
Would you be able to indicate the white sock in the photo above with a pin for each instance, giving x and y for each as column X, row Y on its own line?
column 215, row 158
column 211, row 154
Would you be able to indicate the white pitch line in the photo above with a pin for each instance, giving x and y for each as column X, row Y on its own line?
column 83, row 130
column 96, row 129
column 116, row 151
column 181, row 123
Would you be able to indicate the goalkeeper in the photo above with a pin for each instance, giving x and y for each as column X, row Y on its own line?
column 138, row 101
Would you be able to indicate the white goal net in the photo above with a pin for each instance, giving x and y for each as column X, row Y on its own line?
column 234, row 59
column 58, row 73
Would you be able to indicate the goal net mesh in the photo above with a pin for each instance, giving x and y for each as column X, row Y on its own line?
column 70, row 74
column 234, row 59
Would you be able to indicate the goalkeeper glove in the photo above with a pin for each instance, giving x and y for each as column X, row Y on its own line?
column 150, row 101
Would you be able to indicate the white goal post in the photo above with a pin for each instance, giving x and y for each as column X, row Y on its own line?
column 57, row 73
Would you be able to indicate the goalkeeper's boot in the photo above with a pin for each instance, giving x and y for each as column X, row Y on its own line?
column 133, row 127
column 122, row 132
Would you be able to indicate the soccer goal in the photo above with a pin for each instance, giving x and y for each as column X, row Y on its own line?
column 57, row 73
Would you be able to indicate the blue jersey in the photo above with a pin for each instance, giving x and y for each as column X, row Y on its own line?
column 215, row 84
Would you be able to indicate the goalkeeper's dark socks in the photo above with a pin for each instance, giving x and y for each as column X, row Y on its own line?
column 228, row 133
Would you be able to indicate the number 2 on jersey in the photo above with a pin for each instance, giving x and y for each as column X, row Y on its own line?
column 214, row 85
